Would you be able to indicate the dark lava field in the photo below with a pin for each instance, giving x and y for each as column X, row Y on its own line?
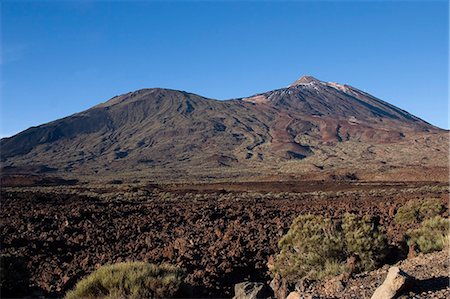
column 218, row 236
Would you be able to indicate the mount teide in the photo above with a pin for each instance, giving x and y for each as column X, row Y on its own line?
column 308, row 130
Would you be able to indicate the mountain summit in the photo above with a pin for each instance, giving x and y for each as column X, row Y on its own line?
column 304, row 80
column 311, row 127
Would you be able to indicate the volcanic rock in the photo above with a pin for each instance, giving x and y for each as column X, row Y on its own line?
column 395, row 282
column 250, row 290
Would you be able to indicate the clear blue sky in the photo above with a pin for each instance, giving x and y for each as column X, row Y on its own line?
column 62, row 58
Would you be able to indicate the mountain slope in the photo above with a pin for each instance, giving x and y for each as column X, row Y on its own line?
column 167, row 134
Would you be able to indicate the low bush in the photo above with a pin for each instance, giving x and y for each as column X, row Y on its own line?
column 310, row 244
column 432, row 235
column 317, row 247
column 129, row 280
column 415, row 211
column 365, row 239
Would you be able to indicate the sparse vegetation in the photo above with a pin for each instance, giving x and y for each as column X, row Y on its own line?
column 348, row 176
column 317, row 247
column 432, row 235
column 129, row 280
column 415, row 211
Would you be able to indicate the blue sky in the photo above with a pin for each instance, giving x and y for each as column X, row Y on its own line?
column 59, row 58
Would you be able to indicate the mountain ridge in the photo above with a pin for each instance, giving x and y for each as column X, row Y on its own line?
column 167, row 133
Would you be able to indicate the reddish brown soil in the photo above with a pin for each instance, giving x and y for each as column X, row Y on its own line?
column 280, row 135
column 219, row 238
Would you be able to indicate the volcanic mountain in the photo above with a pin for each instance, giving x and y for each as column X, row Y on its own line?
column 310, row 129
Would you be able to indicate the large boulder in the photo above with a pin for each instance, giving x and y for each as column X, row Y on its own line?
column 250, row 290
column 396, row 281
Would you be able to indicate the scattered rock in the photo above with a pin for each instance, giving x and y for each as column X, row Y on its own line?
column 250, row 290
column 302, row 285
column 395, row 282
column 335, row 285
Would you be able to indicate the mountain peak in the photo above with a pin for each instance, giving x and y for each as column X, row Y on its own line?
column 172, row 134
column 304, row 80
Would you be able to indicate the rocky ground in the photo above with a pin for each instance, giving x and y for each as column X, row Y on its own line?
column 219, row 236
column 431, row 273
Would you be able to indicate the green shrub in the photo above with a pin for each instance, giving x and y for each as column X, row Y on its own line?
column 129, row 280
column 415, row 211
column 317, row 247
column 432, row 235
column 365, row 240
column 311, row 242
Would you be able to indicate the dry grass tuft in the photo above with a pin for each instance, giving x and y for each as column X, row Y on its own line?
column 129, row 280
